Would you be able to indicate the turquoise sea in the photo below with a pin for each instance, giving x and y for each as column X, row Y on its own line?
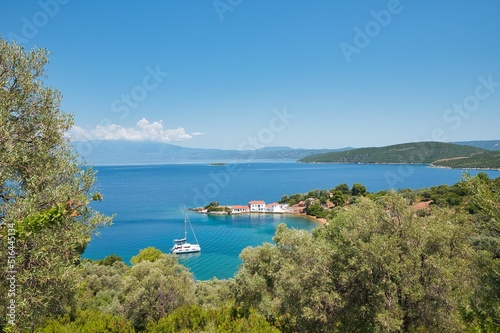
column 149, row 201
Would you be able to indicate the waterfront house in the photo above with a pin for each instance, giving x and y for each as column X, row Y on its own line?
column 275, row 208
column 239, row 209
column 257, row 206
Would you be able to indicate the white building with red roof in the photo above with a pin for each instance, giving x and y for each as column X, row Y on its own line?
column 257, row 206
column 239, row 209
column 275, row 208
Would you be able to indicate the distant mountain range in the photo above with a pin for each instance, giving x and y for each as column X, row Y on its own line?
column 433, row 153
column 132, row 152
column 486, row 144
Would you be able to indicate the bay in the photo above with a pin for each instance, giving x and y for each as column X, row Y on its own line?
column 149, row 202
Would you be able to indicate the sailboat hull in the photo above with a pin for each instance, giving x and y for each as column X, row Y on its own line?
column 186, row 248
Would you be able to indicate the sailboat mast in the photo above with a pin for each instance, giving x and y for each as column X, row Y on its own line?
column 185, row 226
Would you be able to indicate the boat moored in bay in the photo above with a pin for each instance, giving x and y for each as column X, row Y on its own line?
column 181, row 245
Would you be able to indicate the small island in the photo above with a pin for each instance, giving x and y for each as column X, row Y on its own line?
column 218, row 164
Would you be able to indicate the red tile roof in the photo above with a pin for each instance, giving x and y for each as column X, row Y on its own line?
column 239, row 207
column 256, row 202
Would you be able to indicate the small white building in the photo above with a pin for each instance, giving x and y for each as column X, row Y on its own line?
column 275, row 208
column 257, row 206
column 239, row 209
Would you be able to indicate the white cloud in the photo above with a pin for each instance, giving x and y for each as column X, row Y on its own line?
column 143, row 131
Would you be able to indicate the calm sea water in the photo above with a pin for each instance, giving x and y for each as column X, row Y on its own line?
column 149, row 201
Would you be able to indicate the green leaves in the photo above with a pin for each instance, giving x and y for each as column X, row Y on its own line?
column 376, row 267
column 148, row 254
column 484, row 201
column 44, row 192
column 36, row 222
column 97, row 196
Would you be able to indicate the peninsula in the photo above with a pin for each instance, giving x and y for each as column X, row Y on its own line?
column 437, row 154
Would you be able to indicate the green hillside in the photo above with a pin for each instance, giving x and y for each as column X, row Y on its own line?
column 436, row 153
column 486, row 160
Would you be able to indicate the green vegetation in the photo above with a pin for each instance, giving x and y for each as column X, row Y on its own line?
column 409, row 261
column 224, row 320
column 214, row 207
column 109, row 260
column 147, row 254
column 325, row 203
column 486, row 160
column 45, row 219
column 89, row 322
column 374, row 269
column 434, row 153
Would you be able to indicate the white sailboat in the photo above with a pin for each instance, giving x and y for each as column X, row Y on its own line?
column 181, row 245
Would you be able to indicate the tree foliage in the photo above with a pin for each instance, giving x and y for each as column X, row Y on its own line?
column 109, row 260
column 195, row 319
column 358, row 190
column 338, row 198
column 375, row 267
column 89, row 322
column 344, row 188
column 100, row 287
column 155, row 289
column 150, row 254
column 44, row 192
column 316, row 210
column 484, row 201
column 214, row 293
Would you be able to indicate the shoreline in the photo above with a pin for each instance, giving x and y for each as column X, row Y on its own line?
column 319, row 220
column 322, row 221
column 425, row 164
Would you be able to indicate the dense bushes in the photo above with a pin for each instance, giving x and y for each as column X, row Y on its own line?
column 222, row 320
column 89, row 322
column 376, row 267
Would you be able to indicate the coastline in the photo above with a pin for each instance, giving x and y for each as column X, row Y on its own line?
column 464, row 168
column 322, row 221
column 319, row 220
column 426, row 164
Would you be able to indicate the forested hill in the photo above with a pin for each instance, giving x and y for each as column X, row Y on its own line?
column 434, row 153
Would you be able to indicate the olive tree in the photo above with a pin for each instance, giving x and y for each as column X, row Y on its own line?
column 45, row 219
column 484, row 201
column 152, row 290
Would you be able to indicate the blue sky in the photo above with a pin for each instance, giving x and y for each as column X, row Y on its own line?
column 245, row 74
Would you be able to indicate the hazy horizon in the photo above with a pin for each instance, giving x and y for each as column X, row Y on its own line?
column 182, row 145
